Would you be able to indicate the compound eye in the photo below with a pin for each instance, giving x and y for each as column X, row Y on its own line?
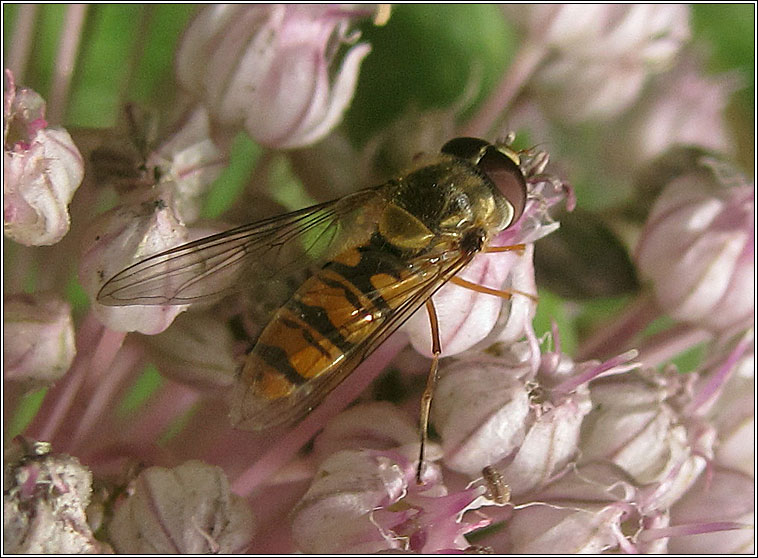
column 507, row 177
column 465, row 148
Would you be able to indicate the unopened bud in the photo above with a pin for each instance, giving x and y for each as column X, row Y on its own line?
column 120, row 238
column 272, row 69
column 697, row 248
column 38, row 338
column 187, row 510
column 599, row 56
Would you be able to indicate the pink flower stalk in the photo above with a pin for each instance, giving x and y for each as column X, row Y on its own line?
column 274, row 70
column 42, row 168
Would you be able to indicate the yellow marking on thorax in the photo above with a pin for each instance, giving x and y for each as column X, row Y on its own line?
column 404, row 230
column 349, row 258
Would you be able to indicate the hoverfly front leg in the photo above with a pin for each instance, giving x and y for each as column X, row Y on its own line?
column 504, row 293
column 431, row 382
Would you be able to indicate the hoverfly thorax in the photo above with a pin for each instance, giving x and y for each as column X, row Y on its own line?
column 471, row 191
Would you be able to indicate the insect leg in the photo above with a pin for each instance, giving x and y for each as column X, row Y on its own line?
column 505, row 293
column 431, row 382
column 511, row 248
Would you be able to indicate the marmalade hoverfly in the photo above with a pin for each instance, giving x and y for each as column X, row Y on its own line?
column 371, row 259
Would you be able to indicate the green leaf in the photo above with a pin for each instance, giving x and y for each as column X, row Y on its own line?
column 147, row 384
column 230, row 183
column 105, row 64
column 425, row 57
column 27, row 408
column 552, row 308
column 154, row 75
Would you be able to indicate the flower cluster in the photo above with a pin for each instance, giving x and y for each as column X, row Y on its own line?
column 551, row 430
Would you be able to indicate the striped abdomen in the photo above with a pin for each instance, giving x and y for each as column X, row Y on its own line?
column 331, row 313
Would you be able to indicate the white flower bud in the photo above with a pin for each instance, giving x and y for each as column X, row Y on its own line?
column 480, row 411
column 198, row 350
column 190, row 161
column 550, row 443
column 120, row 238
column 697, row 249
column 376, row 425
column 724, row 495
column 466, row 316
column 582, row 511
column 272, row 68
column 42, row 168
column 634, row 424
column 185, row 510
column 599, row 56
column 684, row 107
column 733, row 412
column 38, row 338
column 335, row 514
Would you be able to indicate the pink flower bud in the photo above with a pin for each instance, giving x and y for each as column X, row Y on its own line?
column 732, row 414
column 190, row 161
column 199, row 350
column 42, row 169
column 717, row 516
column 550, row 443
column 38, row 338
column 586, row 510
column 335, row 515
column 44, row 504
column 120, row 238
column 375, row 425
column 599, row 56
column 480, row 411
column 369, row 501
column 635, row 424
column 185, row 510
column 683, row 107
column 466, row 316
column 273, row 69
column 697, row 248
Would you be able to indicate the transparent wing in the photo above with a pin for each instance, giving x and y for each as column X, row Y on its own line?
column 215, row 266
column 252, row 412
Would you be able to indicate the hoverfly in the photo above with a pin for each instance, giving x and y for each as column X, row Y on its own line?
column 371, row 260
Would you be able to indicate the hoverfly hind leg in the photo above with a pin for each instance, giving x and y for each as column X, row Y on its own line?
column 431, row 383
